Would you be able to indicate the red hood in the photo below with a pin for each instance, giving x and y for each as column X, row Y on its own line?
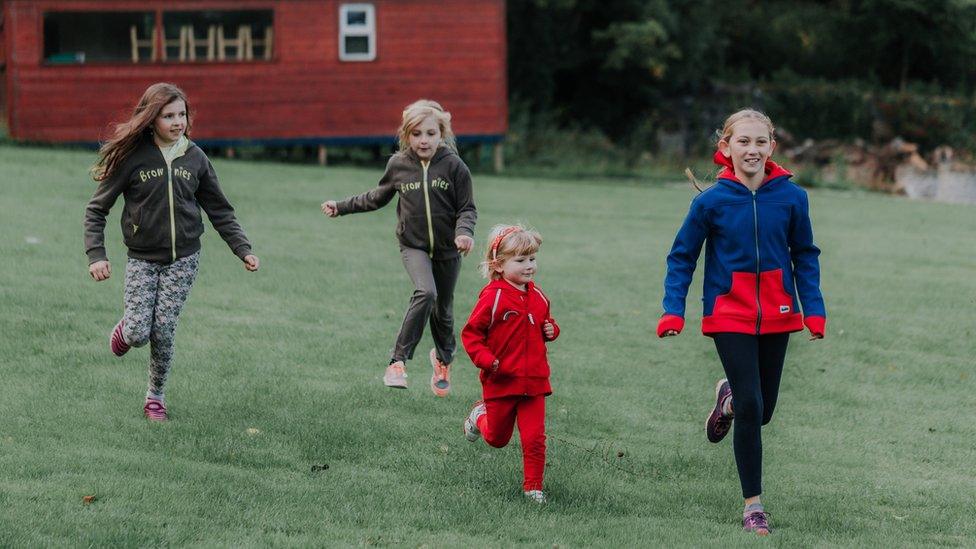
column 772, row 169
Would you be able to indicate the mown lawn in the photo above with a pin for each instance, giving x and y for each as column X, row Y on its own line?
column 277, row 375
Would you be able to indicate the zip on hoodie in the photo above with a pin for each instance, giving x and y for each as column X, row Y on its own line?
column 755, row 221
column 430, row 222
column 169, row 156
column 172, row 213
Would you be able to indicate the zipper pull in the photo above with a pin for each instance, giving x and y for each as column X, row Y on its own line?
column 531, row 320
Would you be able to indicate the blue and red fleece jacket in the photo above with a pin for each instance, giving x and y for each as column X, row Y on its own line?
column 760, row 260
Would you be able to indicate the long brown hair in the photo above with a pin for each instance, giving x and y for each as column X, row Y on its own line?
column 127, row 135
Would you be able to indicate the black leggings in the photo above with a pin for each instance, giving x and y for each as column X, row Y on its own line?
column 753, row 366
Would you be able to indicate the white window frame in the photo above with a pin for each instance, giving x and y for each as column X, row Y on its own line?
column 368, row 30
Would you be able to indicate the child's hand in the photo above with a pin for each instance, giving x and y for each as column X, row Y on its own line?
column 251, row 262
column 100, row 270
column 330, row 209
column 817, row 326
column 670, row 325
column 549, row 330
column 464, row 244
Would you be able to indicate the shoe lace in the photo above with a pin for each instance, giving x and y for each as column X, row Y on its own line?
column 757, row 519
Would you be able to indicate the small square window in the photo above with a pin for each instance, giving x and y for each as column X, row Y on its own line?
column 354, row 18
column 357, row 45
column 357, row 32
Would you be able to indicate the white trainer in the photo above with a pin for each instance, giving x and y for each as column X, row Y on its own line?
column 536, row 496
column 471, row 431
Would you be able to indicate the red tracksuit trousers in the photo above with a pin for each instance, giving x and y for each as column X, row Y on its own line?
column 530, row 413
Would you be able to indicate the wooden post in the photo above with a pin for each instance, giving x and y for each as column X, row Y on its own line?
column 498, row 157
column 323, row 156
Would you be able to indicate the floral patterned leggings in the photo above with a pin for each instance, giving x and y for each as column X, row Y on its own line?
column 154, row 296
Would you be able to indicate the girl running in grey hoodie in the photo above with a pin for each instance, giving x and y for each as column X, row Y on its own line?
column 435, row 225
column 164, row 180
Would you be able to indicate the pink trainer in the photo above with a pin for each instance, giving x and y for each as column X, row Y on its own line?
column 154, row 410
column 116, row 342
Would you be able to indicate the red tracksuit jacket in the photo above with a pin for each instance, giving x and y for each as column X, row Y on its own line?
column 506, row 324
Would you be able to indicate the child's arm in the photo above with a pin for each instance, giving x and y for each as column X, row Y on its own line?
column 474, row 335
column 681, row 266
column 370, row 200
column 467, row 214
column 806, row 270
column 101, row 203
column 211, row 198
column 550, row 330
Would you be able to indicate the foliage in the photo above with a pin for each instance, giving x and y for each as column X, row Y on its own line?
column 832, row 68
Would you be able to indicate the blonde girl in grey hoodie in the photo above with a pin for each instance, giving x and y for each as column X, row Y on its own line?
column 435, row 226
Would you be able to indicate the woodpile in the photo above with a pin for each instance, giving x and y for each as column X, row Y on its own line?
column 870, row 166
column 895, row 167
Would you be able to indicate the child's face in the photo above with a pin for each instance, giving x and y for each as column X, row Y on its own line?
column 518, row 269
column 749, row 147
column 425, row 137
column 171, row 122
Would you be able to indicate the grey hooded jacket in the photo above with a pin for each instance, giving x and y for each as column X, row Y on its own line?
column 161, row 218
column 436, row 201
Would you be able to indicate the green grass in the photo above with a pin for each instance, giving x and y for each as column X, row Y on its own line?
column 872, row 443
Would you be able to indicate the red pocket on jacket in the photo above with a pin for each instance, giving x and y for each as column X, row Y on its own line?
column 773, row 295
column 740, row 301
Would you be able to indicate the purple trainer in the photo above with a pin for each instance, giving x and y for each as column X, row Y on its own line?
column 116, row 342
column 718, row 423
column 756, row 521
column 154, row 410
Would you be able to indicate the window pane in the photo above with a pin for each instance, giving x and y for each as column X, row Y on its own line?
column 80, row 37
column 203, row 25
column 356, row 18
column 357, row 44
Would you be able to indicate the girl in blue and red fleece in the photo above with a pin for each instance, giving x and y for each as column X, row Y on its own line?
column 506, row 338
column 761, row 265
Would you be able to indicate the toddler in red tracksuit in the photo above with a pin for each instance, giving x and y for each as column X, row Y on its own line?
column 506, row 338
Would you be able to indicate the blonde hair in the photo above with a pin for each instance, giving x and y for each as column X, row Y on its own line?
column 745, row 114
column 506, row 242
column 415, row 114
column 726, row 132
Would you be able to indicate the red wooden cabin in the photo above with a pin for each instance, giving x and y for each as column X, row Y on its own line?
column 284, row 72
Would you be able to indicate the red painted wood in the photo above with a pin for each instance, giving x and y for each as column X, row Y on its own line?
column 449, row 50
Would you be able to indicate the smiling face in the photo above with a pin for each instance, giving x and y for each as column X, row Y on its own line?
column 518, row 270
column 425, row 137
column 170, row 124
column 749, row 146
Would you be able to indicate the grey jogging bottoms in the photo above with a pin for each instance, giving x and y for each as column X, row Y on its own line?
column 433, row 298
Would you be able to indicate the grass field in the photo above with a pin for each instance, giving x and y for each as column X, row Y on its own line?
column 277, row 374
